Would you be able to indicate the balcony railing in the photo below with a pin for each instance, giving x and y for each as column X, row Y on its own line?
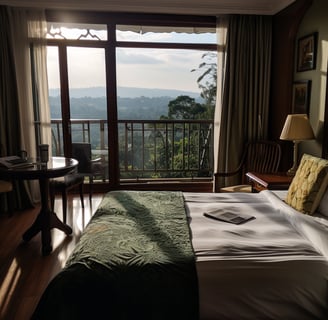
column 148, row 149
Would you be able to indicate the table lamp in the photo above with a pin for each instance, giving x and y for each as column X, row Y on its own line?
column 297, row 128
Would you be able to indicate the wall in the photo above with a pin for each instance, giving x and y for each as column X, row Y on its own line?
column 285, row 28
column 315, row 20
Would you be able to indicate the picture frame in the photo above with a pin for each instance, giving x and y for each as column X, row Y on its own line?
column 307, row 52
column 301, row 97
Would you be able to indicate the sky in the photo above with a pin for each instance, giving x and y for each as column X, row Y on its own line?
column 143, row 68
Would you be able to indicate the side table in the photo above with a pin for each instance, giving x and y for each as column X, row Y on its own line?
column 262, row 181
column 46, row 219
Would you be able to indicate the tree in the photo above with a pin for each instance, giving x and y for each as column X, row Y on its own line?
column 185, row 107
column 207, row 81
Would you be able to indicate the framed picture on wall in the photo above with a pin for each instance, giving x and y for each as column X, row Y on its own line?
column 307, row 52
column 301, row 96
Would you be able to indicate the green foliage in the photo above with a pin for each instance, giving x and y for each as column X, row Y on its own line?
column 184, row 107
column 207, row 82
column 187, row 149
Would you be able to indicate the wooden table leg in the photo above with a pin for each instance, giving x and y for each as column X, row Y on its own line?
column 45, row 221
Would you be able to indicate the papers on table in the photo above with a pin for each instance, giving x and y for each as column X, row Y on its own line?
column 12, row 162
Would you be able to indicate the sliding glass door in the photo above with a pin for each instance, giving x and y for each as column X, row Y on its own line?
column 77, row 94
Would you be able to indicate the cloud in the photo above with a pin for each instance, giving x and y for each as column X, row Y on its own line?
column 136, row 67
column 158, row 68
column 135, row 56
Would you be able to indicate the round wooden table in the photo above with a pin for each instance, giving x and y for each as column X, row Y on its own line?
column 46, row 219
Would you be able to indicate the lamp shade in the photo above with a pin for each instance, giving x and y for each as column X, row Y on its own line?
column 297, row 127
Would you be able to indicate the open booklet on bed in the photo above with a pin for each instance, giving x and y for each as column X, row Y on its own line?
column 228, row 216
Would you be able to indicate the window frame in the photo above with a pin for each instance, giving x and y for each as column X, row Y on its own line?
column 110, row 45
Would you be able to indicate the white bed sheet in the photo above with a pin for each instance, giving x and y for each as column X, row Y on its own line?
column 272, row 267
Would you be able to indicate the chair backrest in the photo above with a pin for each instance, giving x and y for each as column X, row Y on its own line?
column 81, row 151
column 262, row 156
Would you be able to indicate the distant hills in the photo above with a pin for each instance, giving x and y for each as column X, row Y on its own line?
column 132, row 103
column 141, row 108
column 125, row 92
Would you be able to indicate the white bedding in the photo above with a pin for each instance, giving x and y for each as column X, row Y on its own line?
column 272, row 267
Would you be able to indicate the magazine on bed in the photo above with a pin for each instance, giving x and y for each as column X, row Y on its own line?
column 228, row 216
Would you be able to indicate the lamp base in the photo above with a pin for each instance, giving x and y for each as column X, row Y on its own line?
column 293, row 169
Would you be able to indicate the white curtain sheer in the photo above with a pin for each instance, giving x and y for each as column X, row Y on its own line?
column 221, row 31
column 37, row 27
column 27, row 26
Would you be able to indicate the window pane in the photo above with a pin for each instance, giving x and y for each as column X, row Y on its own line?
column 165, row 34
column 88, row 103
column 164, row 122
column 158, row 73
column 165, row 101
column 54, row 101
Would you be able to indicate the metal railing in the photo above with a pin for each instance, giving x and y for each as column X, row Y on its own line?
column 148, row 148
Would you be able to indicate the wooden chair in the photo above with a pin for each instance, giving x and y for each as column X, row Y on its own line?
column 87, row 166
column 5, row 187
column 259, row 156
column 63, row 185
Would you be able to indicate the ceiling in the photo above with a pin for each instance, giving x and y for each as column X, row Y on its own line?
column 195, row 7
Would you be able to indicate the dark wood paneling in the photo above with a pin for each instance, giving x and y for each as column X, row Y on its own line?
column 285, row 27
column 131, row 18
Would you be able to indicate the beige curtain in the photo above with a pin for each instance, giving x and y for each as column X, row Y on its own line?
column 10, row 142
column 37, row 27
column 29, row 26
column 245, row 98
column 221, row 32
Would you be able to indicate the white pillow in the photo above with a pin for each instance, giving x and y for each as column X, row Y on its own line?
column 323, row 206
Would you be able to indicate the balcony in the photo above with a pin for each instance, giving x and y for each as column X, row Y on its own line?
column 149, row 150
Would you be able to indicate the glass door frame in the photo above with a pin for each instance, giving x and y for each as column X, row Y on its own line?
column 110, row 67
column 110, row 45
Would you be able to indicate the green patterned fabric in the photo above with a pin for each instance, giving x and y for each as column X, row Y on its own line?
column 308, row 185
column 134, row 261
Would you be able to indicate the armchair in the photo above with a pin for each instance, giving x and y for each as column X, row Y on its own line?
column 259, row 156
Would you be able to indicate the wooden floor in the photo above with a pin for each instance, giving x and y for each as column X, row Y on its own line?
column 24, row 272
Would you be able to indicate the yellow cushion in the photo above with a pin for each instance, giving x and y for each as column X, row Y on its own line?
column 308, row 185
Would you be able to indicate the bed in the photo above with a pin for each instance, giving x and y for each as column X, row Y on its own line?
column 154, row 255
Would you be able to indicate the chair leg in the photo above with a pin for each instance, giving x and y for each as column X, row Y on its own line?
column 81, row 195
column 90, row 187
column 64, row 196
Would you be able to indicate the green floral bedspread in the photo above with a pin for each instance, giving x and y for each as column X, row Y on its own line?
column 134, row 261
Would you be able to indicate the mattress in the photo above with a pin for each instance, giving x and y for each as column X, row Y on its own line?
column 271, row 267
